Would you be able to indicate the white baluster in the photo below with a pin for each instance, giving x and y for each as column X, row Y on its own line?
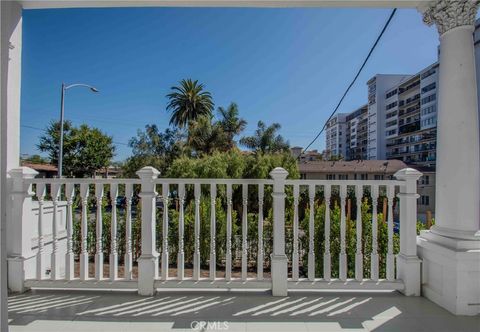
column 69, row 256
column 128, row 232
column 295, row 255
column 55, row 256
column 311, row 234
column 213, row 225
column 165, row 193
column 358, row 253
column 40, row 193
column 390, row 256
column 228, row 258
column 260, row 255
column 99, row 231
column 181, row 221
column 113, row 236
column 327, row 270
column 84, row 232
column 343, row 226
column 374, row 255
column 196, row 254
column 244, row 231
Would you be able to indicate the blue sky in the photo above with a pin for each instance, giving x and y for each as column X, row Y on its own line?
column 279, row 65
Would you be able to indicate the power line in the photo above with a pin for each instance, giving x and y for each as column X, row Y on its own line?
column 41, row 129
column 392, row 14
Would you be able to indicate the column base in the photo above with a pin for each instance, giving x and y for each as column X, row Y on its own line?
column 450, row 272
column 279, row 275
column 147, row 273
column 409, row 271
column 19, row 269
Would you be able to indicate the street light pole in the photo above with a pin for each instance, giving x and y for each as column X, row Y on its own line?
column 62, row 115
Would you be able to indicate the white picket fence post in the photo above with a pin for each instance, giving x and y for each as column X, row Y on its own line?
column 408, row 263
column 279, row 259
column 21, row 258
column 148, row 260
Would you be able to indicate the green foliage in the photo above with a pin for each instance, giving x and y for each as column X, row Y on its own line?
column 266, row 139
column 154, row 148
column 423, row 226
column 231, row 124
column 252, row 228
column 35, row 159
column 205, row 136
column 85, row 149
column 350, row 236
column 188, row 102
column 232, row 165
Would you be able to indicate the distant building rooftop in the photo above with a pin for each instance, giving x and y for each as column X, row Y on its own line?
column 41, row 167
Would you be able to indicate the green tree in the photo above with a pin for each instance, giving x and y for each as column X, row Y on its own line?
column 35, row 159
column 188, row 102
column 154, row 148
column 266, row 139
column 231, row 123
column 205, row 136
column 85, row 149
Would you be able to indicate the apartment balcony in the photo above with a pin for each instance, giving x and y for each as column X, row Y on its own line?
column 409, row 128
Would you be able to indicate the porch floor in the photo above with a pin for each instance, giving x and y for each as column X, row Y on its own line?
column 230, row 311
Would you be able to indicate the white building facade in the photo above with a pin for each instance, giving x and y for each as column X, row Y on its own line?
column 377, row 103
column 336, row 133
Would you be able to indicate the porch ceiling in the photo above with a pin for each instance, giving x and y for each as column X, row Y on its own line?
column 33, row 4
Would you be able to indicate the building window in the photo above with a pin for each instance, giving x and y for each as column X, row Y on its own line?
column 303, row 176
column 391, row 93
column 429, row 87
column 424, row 200
column 378, row 177
column 392, row 105
column 342, row 176
column 429, row 99
column 364, row 176
column 426, row 179
column 330, row 176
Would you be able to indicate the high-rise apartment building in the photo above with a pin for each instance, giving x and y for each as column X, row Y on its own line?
column 357, row 134
column 377, row 103
column 411, row 130
column 336, row 135
column 400, row 119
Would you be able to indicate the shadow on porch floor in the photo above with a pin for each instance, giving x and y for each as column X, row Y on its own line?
column 229, row 311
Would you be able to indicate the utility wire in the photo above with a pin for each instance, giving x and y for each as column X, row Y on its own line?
column 392, row 14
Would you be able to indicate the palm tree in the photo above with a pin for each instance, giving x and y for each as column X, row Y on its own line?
column 188, row 102
column 231, row 123
column 266, row 139
column 204, row 137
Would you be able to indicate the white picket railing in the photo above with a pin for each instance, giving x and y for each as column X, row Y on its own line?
column 57, row 265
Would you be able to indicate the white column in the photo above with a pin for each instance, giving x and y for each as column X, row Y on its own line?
column 457, row 209
column 148, row 260
column 450, row 251
column 20, row 228
column 279, row 259
column 11, row 49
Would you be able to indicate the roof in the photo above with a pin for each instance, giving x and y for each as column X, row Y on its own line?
column 41, row 167
column 355, row 166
